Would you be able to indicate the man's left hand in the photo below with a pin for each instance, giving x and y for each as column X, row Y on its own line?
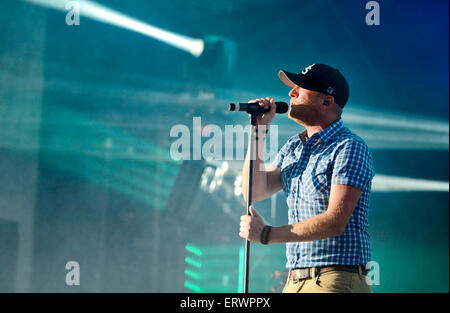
column 251, row 226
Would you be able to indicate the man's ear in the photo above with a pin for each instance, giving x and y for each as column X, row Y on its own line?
column 328, row 101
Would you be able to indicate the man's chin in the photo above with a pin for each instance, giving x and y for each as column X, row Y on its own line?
column 298, row 117
column 293, row 117
column 293, row 114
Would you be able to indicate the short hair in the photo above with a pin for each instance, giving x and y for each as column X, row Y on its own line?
column 338, row 109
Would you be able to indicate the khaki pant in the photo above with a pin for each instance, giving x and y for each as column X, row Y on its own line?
column 329, row 282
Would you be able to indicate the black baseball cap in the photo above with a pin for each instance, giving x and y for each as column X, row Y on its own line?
column 322, row 78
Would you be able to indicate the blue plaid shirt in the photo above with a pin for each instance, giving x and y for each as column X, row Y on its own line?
column 334, row 155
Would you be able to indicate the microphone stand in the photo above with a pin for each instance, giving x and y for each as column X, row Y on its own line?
column 251, row 140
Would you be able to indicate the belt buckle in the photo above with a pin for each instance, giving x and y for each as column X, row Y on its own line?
column 293, row 275
column 297, row 274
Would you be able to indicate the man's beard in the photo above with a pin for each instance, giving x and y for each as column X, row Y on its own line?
column 307, row 115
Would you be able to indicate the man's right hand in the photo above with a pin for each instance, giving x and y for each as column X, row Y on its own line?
column 266, row 118
column 266, row 182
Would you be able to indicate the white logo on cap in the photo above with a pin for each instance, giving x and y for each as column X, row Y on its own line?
column 306, row 70
column 330, row 90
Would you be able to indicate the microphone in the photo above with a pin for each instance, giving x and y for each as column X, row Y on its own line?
column 254, row 107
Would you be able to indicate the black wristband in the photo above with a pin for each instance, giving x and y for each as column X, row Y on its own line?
column 265, row 234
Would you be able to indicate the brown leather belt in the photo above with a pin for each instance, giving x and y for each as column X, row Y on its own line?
column 307, row 273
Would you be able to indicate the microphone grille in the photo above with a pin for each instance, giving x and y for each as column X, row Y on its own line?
column 282, row 107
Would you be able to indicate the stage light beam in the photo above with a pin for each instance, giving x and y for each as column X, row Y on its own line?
column 106, row 15
column 385, row 183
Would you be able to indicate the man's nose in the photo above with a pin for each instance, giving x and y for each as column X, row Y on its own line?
column 293, row 93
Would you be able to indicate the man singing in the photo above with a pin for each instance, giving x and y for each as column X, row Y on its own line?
column 326, row 173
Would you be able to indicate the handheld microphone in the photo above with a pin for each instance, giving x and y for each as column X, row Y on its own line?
column 254, row 107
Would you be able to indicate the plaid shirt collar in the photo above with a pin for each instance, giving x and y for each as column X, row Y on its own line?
column 328, row 133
